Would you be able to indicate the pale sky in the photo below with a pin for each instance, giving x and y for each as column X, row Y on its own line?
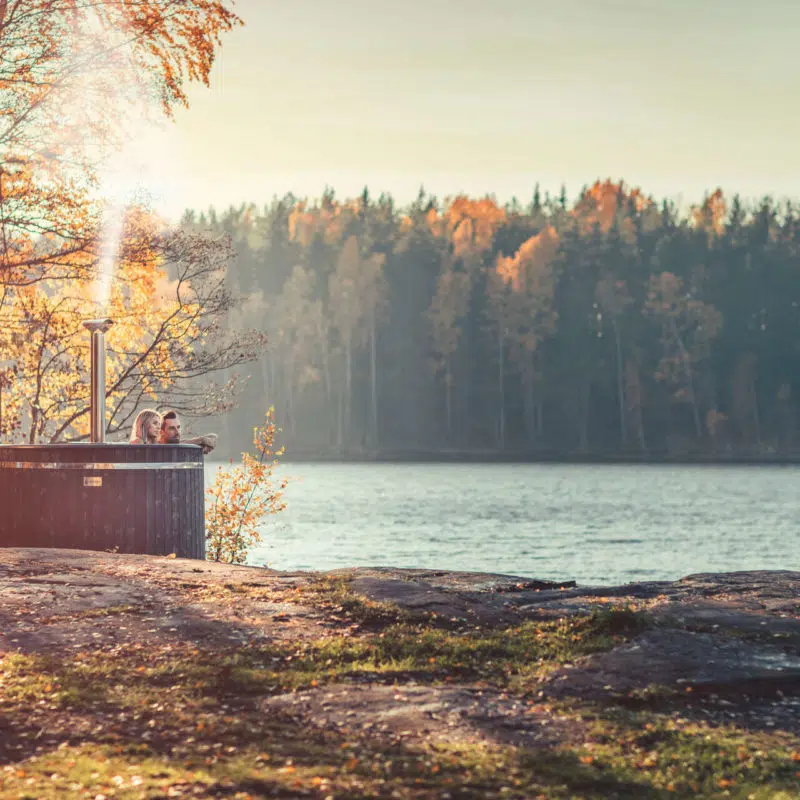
column 675, row 96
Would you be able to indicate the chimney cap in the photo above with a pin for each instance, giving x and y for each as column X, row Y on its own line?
column 101, row 325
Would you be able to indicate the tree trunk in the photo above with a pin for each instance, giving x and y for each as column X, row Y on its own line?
column 687, row 365
column 586, row 396
column 633, row 398
column 756, row 415
column 448, row 401
column 539, row 417
column 326, row 371
column 640, row 430
column 373, row 366
column 698, row 425
column 623, row 427
column 34, row 420
column 290, row 398
column 529, row 404
column 348, row 390
column 339, row 421
column 501, row 377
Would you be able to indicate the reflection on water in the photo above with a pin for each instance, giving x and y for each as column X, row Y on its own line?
column 593, row 524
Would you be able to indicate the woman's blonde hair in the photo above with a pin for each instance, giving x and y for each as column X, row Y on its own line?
column 141, row 424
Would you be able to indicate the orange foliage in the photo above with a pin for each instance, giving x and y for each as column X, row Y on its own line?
column 434, row 221
column 242, row 497
column 176, row 39
column 521, row 292
column 73, row 77
column 330, row 222
column 527, row 266
column 70, row 76
column 606, row 203
column 471, row 224
column 167, row 301
column 710, row 216
column 469, row 227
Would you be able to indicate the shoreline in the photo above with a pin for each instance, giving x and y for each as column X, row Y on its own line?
column 490, row 457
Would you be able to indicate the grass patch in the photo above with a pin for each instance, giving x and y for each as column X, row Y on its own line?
column 512, row 658
column 684, row 758
column 177, row 720
column 334, row 596
column 634, row 758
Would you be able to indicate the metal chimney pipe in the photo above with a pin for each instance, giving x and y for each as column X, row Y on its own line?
column 98, row 328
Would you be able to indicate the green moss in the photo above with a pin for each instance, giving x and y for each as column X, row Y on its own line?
column 286, row 761
column 174, row 720
column 690, row 759
column 503, row 657
column 508, row 658
column 334, row 595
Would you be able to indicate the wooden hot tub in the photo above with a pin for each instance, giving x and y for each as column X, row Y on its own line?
column 101, row 496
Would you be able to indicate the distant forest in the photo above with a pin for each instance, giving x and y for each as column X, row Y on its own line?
column 612, row 325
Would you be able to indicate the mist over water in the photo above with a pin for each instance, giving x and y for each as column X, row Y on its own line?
column 592, row 524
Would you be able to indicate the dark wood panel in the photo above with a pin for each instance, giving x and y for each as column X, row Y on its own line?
column 151, row 508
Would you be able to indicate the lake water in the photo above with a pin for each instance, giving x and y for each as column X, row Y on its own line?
column 592, row 524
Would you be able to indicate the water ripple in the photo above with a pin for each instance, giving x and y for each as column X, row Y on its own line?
column 593, row 524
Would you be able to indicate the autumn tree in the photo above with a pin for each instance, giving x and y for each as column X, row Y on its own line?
column 76, row 78
column 465, row 230
column 709, row 217
column 354, row 295
column 243, row 497
column 74, row 75
column 169, row 303
column 373, row 293
column 298, row 349
column 687, row 326
column 607, row 374
column 613, row 300
column 521, row 310
column 410, row 394
column 447, row 311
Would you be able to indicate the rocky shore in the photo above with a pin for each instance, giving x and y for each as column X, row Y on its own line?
column 199, row 679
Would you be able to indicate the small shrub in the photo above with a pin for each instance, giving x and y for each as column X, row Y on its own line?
column 242, row 497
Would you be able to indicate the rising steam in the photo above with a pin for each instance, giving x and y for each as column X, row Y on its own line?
column 104, row 77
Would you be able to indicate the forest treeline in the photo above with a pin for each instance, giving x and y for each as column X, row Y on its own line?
column 612, row 324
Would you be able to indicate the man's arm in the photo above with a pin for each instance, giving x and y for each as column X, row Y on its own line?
column 207, row 442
